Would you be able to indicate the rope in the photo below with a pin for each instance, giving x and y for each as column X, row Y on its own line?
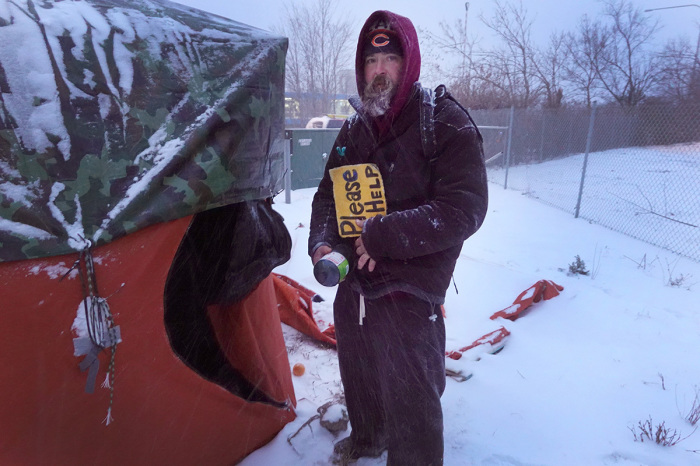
column 99, row 321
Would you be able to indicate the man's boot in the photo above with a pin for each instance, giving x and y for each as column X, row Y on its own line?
column 347, row 450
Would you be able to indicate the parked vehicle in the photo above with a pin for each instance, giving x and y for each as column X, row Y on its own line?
column 326, row 121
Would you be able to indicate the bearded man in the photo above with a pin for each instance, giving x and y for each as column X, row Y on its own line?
column 388, row 320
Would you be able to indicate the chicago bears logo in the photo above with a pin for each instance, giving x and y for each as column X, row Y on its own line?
column 380, row 40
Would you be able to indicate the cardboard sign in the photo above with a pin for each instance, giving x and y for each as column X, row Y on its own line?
column 358, row 191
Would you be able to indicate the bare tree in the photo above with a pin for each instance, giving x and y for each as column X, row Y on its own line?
column 606, row 59
column 319, row 51
column 676, row 70
column 479, row 78
column 491, row 86
column 584, row 49
column 451, row 42
column 626, row 70
column 512, row 63
column 549, row 67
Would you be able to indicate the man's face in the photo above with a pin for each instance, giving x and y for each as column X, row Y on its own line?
column 389, row 65
column 382, row 73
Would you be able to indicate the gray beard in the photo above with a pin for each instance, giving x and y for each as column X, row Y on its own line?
column 378, row 94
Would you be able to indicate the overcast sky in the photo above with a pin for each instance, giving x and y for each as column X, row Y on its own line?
column 549, row 15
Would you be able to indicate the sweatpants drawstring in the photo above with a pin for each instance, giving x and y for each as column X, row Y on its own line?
column 362, row 309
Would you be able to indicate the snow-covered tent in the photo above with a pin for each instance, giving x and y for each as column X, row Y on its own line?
column 140, row 143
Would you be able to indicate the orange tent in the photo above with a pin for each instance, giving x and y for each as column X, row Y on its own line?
column 163, row 412
column 132, row 332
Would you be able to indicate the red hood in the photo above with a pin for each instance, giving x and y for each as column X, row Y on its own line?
column 411, row 57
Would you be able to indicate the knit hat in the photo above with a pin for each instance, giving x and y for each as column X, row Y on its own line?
column 381, row 39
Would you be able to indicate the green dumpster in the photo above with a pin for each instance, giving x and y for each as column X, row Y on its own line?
column 309, row 151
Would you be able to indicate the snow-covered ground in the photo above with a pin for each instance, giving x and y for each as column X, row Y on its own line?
column 578, row 373
column 650, row 193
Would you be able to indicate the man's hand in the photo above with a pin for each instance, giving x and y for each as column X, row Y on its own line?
column 320, row 252
column 362, row 252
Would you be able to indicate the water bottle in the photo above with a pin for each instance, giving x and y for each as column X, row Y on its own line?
column 332, row 268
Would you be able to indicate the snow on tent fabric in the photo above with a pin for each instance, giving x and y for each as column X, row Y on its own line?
column 119, row 115
column 140, row 142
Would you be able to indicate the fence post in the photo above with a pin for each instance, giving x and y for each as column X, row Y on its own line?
column 287, row 167
column 510, row 142
column 544, row 115
column 585, row 159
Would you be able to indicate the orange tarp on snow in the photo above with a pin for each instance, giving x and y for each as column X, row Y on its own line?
column 296, row 309
column 542, row 290
column 493, row 342
column 489, row 341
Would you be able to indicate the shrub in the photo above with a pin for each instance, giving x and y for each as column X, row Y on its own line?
column 578, row 267
column 693, row 415
column 661, row 435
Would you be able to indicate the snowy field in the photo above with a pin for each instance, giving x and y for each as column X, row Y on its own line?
column 579, row 372
column 649, row 193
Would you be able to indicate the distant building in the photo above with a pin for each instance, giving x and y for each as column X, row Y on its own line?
column 337, row 107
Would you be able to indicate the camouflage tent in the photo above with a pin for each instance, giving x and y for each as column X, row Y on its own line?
column 115, row 115
column 140, row 142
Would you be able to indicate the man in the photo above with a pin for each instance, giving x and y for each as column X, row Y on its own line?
column 392, row 360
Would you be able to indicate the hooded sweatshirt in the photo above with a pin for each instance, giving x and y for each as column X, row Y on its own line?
column 406, row 33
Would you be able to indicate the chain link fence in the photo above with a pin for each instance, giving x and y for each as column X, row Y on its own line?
column 636, row 171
